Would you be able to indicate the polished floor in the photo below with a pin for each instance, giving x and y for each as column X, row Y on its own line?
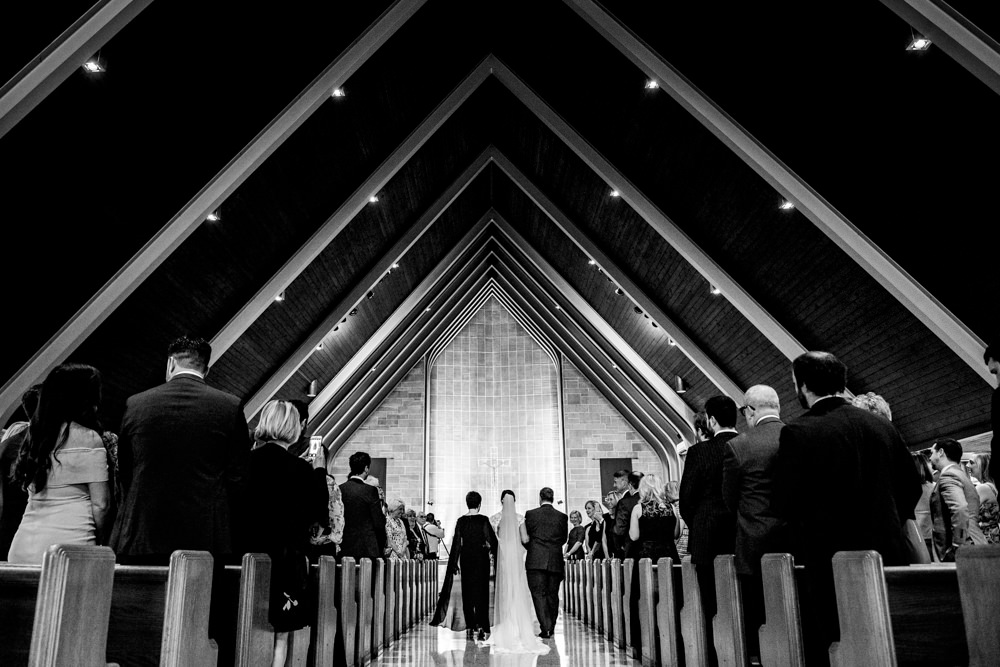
column 573, row 644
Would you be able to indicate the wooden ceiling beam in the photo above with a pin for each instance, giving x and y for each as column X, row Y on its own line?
column 62, row 57
column 664, row 226
column 928, row 310
column 685, row 344
column 346, row 212
column 157, row 249
column 956, row 35
column 357, row 293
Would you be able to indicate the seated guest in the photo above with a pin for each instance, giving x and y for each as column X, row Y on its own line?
column 397, row 545
column 281, row 507
column 595, row 535
column 13, row 499
column 433, row 532
column 574, row 543
column 63, row 465
column 954, row 502
column 364, row 520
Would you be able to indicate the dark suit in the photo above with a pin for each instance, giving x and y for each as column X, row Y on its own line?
column 748, row 468
column 623, row 519
column 364, row 522
column 547, row 530
column 845, row 480
column 183, row 454
column 995, row 441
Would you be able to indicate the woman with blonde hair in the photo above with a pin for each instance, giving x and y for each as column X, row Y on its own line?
column 653, row 526
column 395, row 531
column 280, row 512
column 989, row 512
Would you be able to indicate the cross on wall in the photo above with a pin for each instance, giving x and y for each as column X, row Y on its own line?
column 494, row 463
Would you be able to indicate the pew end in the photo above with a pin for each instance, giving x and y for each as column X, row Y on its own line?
column 693, row 617
column 979, row 584
column 863, row 609
column 781, row 634
column 189, row 601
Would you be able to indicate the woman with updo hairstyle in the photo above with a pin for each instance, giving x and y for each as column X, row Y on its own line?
column 63, row 465
column 874, row 404
column 279, row 520
column 574, row 543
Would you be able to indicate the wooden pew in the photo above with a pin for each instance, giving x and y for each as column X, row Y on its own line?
column 978, row 570
column 648, row 594
column 693, row 618
column 863, row 608
column 254, row 635
column 328, row 621
column 668, row 603
column 365, row 601
column 728, row 627
column 406, row 572
column 578, row 589
column 73, row 607
column 378, row 606
column 597, row 594
column 926, row 612
column 586, row 616
column 397, row 584
column 347, row 608
column 617, row 595
column 628, row 571
column 606, row 595
column 781, row 634
column 568, row 588
column 389, row 635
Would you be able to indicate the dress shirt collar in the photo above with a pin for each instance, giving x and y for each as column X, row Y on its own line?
column 726, row 430
column 774, row 417
column 188, row 371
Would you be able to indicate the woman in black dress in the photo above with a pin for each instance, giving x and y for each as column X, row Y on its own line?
column 575, row 543
column 283, row 503
column 595, row 538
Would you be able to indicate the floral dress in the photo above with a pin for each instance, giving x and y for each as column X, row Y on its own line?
column 989, row 518
column 395, row 535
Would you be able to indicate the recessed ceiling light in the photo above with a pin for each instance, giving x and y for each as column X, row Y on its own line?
column 336, row 329
column 371, row 294
column 319, row 346
column 558, row 307
column 715, row 291
column 338, row 92
column 671, row 341
column 619, row 291
column 614, row 366
column 93, row 66
column 638, row 310
column 427, row 310
column 373, row 199
column 354, row 311
column 592, row 262
column 214, row 216
column 655, row 325
column 615, row 193
column 786, row 205
column 394, row 266
column 651, row 84
column 280, row 297
column 919, row 44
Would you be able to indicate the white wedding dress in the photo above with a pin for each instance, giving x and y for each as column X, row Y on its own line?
column 514, row 617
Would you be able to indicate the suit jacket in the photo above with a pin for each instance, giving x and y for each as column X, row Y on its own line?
column 548, row 529
column 846, row 482
column 183, row 454
column 711, row 525
column 955, row 512
column 748, row 468
column 364, row 522
column 995, row 441
column 623, row 519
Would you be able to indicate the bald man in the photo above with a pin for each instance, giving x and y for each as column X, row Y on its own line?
column 748, row 467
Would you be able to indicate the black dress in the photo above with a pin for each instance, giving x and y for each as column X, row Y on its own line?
column 656, row 533
column 576, row 535
column 471, row 547
column 280, row 509
column 595, row 531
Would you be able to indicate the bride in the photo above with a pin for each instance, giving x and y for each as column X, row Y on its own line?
column 514, row 624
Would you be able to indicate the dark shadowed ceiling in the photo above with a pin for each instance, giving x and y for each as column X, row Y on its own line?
column 492, row 135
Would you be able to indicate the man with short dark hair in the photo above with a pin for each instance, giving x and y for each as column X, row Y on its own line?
column 992, row 359
column 364, row 521
column 183, row 455
column 547, row 530
column 954, row 502
column 432, row 533
column 628, row 497
column 844, row 481
column 711, row 525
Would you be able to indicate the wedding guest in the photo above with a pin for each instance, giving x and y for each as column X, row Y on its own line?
column 282, row 507
column 989, row 513
column 992, row 359
column 922, row 511
column 575, row 542
column 395, row 531
column 13, row 498
column 364, row 520
column 954, row 502
column 611, row 502
column 653, row 525
column 628, row 497
column 414, row 537
column 595, row 536
column 63, row 465
column 433, row 533
column 874, row 404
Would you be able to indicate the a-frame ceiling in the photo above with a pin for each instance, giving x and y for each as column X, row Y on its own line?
column 492, row 136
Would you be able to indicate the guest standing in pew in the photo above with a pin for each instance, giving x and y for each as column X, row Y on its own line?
column 992, row 359
column 282, row 505
column 414, row 538
column 595, row 534
column 577, row 534
column 711, row 525
column 989, row 512
column 628, row 497
column 922, row 512
column 845, row 481
column 748, row 467
column 954, row 502
column 397, row 543
column 63, row 466
column 13, row 498
column 364, row 520
column 611, row 502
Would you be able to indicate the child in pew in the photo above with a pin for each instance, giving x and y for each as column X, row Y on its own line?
column 280, row 512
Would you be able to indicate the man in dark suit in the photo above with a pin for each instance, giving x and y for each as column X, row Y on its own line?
column 954, row 502
column 748, row 467
column 628, row 497
column 711, row 525
column 364, row 520
column 183, row 455
column 992, row 359
column 547, row 530
column 844, row 480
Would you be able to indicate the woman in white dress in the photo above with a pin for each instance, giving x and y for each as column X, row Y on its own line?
column 514, row 618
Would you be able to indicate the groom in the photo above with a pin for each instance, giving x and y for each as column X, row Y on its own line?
column 547, row 532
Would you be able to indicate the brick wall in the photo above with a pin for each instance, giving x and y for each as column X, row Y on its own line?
column 395, row 431
column 596, row 430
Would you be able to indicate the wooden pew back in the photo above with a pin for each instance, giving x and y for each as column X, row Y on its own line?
column 378, row 606
column 863, row 608
column 728, row 627
column 781, row 634
column 668, row 627
column 617, row 595
column 693, row 618
column 254, row 635
column 979, row 582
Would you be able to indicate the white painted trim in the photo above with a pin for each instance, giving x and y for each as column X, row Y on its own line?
column 663, row 225
column 62, row 57
column 346, row 212
column 961, row 39
column 357, row 294
column 684, row 343
column 157, row 249
column 959, row 338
